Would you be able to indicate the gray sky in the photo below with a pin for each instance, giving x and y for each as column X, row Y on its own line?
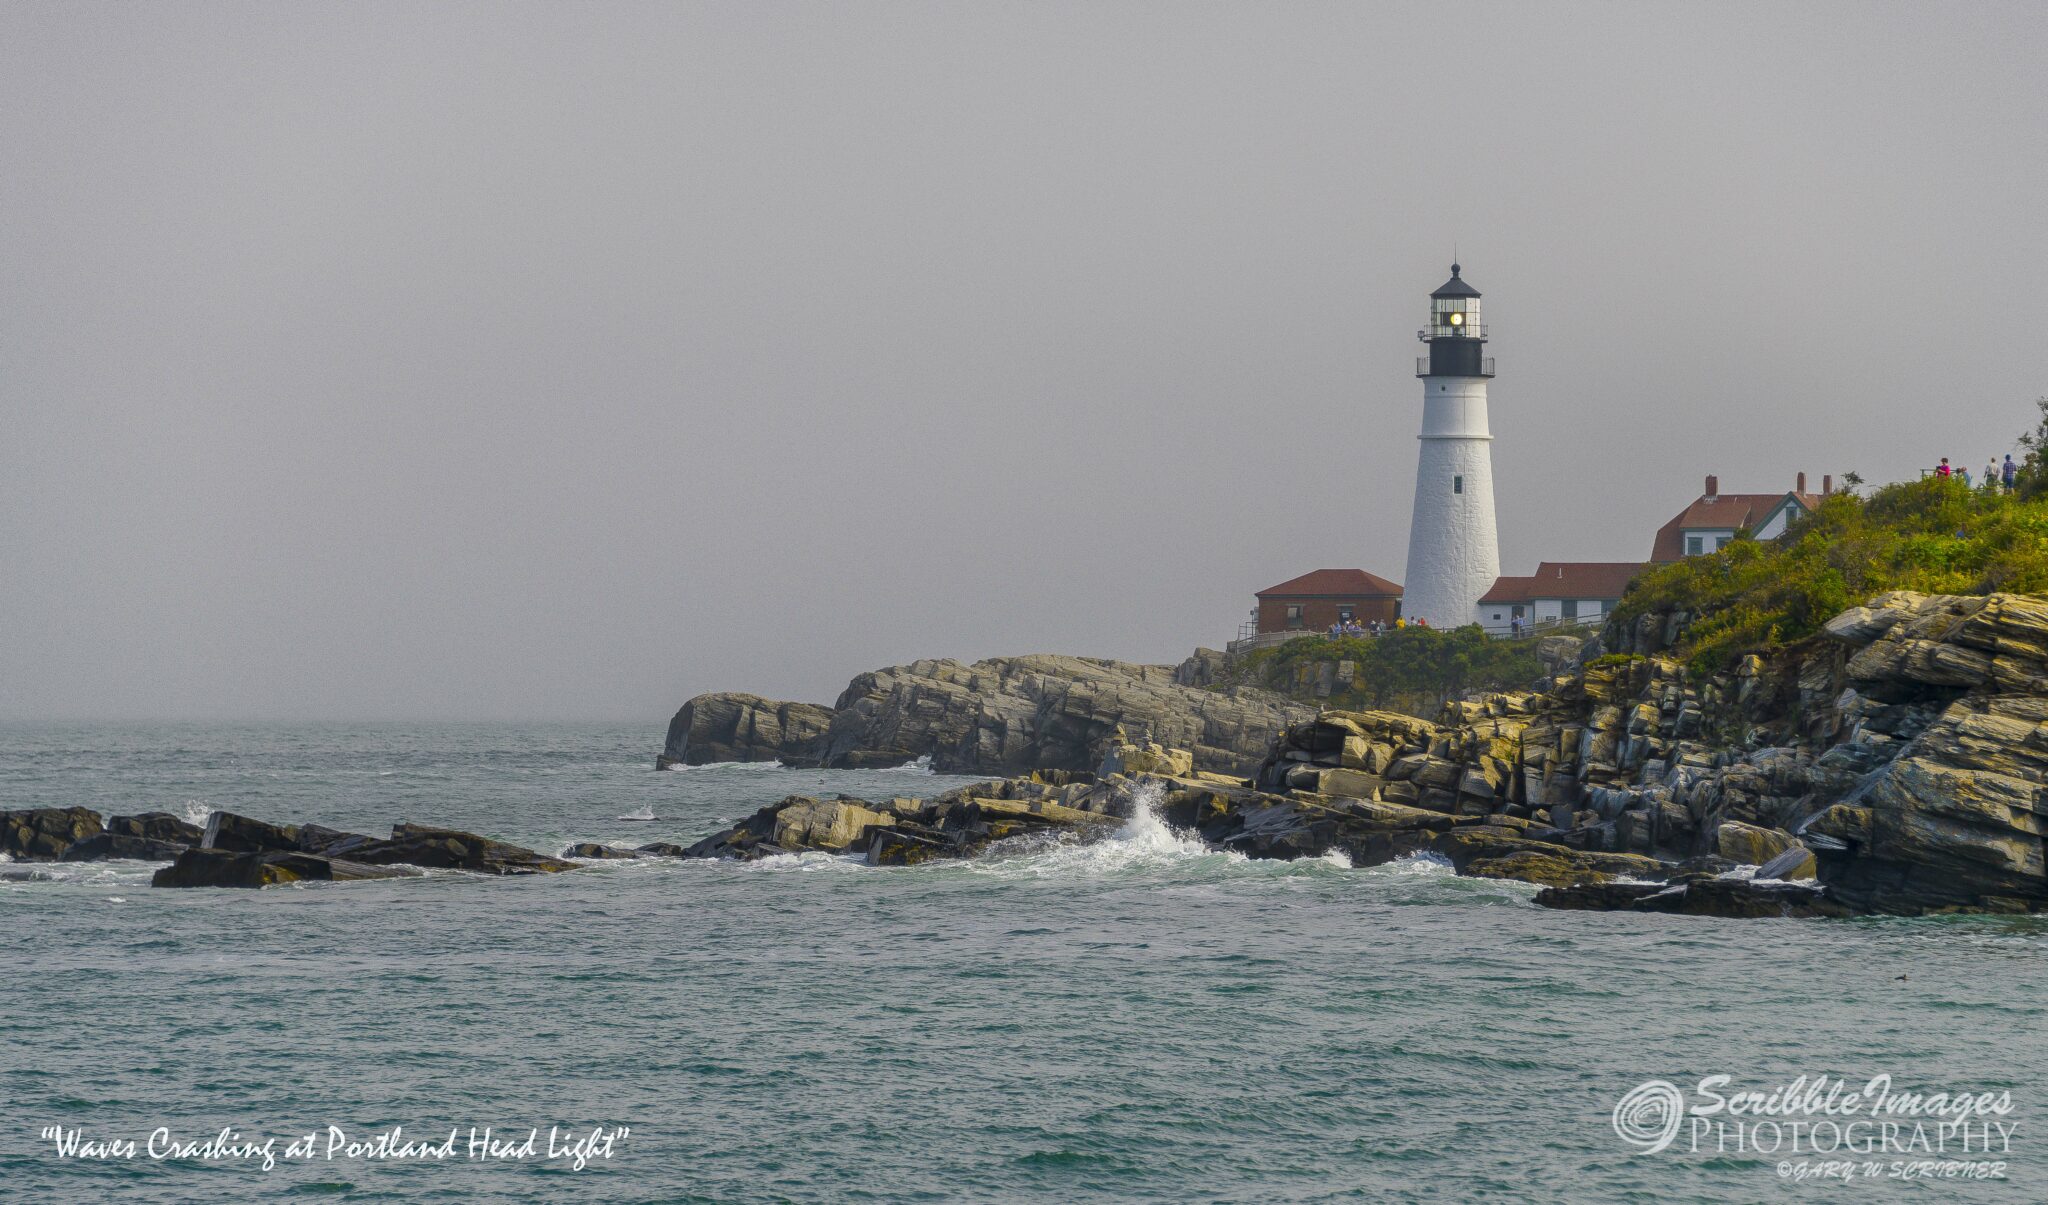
column 552, row 361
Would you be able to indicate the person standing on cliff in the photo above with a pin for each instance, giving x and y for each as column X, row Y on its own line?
column 2008, row 471
column 1942, row 469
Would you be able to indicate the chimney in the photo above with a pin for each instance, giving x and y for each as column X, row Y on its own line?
column 1802, row 483
column 1713, row 486
column 1827, row 483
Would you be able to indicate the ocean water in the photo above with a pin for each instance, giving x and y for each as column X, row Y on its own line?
column 1136, row 1019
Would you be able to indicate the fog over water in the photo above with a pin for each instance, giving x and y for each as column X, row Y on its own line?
column 549, row 361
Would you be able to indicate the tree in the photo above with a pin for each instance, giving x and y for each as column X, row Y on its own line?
column 2032, row 479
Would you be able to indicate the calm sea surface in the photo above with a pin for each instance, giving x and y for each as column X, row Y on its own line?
column 1136, row 1019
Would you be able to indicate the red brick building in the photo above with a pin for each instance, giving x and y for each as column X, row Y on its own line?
column 1314, row 601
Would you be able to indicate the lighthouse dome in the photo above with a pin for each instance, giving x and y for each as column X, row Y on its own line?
column 1456, row 286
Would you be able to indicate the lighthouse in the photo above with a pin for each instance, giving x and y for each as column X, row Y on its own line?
column 1453, row 551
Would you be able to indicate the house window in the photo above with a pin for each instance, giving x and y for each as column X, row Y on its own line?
column 1293, row 615
column 1457, row 485
column 1515, row 612
column 1721, row 542
column 1344, row 614
column 1695, row 545
column 1569, row 608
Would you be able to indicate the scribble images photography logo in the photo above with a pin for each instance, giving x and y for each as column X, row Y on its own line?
column 1822, row 1128
column 1649, row 1117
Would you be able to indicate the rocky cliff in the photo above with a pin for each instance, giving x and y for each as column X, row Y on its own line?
column 1006, row 715
column 1906, row 748
column 1897, row 762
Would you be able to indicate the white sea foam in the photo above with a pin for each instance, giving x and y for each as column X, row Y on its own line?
column 1423, row 869
column 645, row 813
column 728, row 765
column 1144, row 842
column 196, row 812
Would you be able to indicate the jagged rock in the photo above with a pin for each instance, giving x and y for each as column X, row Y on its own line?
column 453, row 849
column 662, row 849
column 1546, row 869
column 43, row 834
column 743, row 727
column 1735, row 898
column 101, row 847
column 1598, row 896
column 1006, row 715
column 241, row 834
column 1795, row 863
column 829, row 825
column 157, row 826
column 1205, row 667
column 592, row 850
column 1749, row 844
column 1151, row 758
column 331, row 842
column 201, row 867
column 898, row 847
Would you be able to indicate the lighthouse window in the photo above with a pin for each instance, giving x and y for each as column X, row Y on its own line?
column 1457, row 485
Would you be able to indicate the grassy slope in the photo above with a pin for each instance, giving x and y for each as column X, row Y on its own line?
column 1933, row 535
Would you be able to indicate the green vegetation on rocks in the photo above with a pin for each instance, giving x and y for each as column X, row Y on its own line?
column 1408, row 669
column 1934, row 536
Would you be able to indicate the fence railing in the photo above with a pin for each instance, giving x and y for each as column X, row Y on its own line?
column 1249, row 641
column 1422, row 366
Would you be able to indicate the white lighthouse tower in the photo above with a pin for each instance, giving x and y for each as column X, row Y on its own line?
column 1453, row 551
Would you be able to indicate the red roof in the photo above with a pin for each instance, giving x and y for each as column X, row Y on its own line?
column 1508, row 590
column 1566, row 579
column 1334, row 583
column 1723, row 511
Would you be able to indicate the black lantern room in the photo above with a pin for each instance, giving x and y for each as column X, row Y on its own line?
column 1455, row 335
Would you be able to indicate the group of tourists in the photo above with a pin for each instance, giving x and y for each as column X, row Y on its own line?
column 1348, row 626
column 1996, row 476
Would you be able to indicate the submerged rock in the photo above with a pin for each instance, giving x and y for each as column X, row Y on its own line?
column 103, row 846
column 592, row 850
column 198, row 867
column 1735, row 898
column 453, row 849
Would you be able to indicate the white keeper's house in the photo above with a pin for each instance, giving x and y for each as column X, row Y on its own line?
column 1714, row 517
column 1558, row 593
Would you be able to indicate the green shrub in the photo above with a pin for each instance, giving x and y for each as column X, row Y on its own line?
column 1416, row 669
column 1934, row 535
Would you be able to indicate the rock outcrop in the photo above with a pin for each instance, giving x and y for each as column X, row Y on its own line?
column 238, row 851
column 742, row 727
column 44, row 834
column 1897, row 763
column 82, row 835
column 1901, row 756
column 198, row 867
column 1006, row 715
